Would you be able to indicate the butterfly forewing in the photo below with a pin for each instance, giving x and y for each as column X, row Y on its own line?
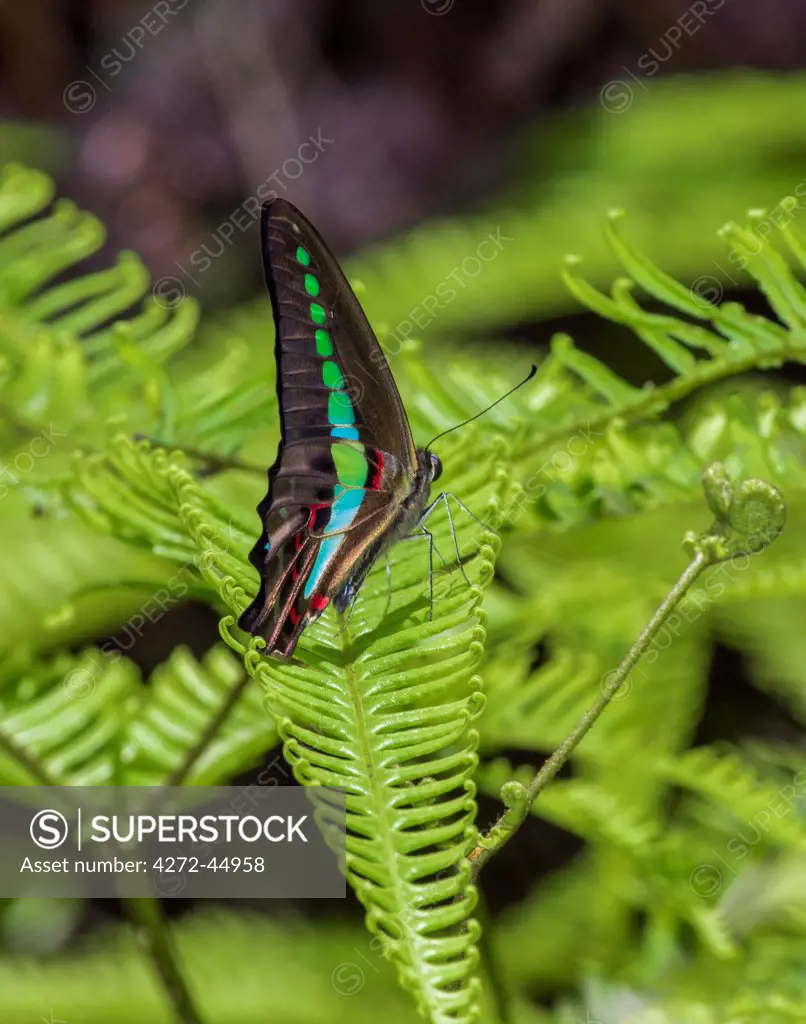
column 346, row 459
column 319, row 321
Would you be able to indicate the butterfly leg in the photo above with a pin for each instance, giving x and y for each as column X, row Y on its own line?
column 444, row 498
column 432, row 548
column 349, row 615
column 467, row 512
column 430, row 573
column 455, row 542
column 419, row 536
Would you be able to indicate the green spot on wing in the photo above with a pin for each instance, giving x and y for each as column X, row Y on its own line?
column 351, row 464
column 331, row 375
column 303, row 256
column 324, row 347
column 317, row 313
column 311, row 285
column 340, row 409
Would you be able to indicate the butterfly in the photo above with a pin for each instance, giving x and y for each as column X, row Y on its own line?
column 348, row 481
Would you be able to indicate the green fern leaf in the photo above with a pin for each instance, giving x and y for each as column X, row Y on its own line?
column 90, row 721
column 726, row 780
column 63, row 720
column 191, row 708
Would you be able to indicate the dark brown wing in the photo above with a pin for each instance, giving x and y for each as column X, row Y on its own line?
column 303, row 556
column 380, row 415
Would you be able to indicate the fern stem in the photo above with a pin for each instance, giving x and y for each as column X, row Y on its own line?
column 491, row 963
column 519, row 798
column 748, row 517
column 145, row 914
column 152, row 930
column 649, row 402
column 180, row 774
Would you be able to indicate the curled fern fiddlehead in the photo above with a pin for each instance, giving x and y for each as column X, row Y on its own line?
column 749, row 516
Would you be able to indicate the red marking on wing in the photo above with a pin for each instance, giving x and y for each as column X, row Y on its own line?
column 277, row 613
column 375, row 482
column 313, row 516
column 298, row 547
column 319, row 602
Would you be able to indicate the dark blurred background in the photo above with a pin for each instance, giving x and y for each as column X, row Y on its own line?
column 163, row 119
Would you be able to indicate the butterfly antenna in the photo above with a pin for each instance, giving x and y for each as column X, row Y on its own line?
column 492, row 405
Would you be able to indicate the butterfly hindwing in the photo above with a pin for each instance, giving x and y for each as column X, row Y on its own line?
column 296, row 552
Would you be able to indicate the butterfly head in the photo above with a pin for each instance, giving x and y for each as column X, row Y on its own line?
column 429, row 469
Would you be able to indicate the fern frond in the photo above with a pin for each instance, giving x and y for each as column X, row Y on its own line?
column 733, row 340
column 384, row 710
column 63, row 342
column 60, row 726
column 64, row 582
column 390, row 699
column 537, row 711
column 206, row 708
column 88, row 720
column 602, row 512
column 574, row 392
column 637, row 161
column 71, row 362
column 731, row 784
